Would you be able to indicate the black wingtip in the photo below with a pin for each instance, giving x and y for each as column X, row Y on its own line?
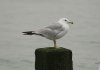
column 28, row 33
column 24, row 32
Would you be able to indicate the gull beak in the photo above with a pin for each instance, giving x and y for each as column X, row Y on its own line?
column 70, row 22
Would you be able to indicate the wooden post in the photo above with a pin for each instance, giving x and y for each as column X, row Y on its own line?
column 51, row 58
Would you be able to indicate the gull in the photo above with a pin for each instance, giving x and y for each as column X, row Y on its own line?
column 54, row 31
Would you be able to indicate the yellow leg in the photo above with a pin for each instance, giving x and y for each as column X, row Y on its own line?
column 55, row 45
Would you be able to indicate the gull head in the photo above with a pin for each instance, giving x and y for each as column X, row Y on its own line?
column 65, row 20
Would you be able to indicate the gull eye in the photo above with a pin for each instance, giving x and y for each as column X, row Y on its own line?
column 65, row 20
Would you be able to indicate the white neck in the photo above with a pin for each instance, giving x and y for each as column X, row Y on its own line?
column 64, row 24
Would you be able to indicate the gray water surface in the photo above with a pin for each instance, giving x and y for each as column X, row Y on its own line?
column 16, row 16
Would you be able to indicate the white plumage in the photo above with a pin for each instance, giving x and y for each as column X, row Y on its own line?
column 53, row 31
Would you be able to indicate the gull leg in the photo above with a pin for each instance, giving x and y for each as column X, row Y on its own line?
column 55, row 43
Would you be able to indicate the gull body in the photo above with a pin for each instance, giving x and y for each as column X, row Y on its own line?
column 53, row 31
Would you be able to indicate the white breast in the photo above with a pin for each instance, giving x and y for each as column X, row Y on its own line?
column 65, row 26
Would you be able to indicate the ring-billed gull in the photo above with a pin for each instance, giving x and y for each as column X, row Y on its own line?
column 53, row 31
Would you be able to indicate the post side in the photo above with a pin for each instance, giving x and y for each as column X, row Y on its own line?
column 53, row 59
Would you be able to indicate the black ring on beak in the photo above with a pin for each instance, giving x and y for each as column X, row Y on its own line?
column 71, row 22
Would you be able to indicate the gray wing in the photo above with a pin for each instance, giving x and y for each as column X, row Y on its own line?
column 51, row 30
column 54, row 26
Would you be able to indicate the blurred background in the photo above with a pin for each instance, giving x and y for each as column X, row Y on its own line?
column 16, row 16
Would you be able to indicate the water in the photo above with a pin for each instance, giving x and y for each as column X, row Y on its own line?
column 17, row 51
